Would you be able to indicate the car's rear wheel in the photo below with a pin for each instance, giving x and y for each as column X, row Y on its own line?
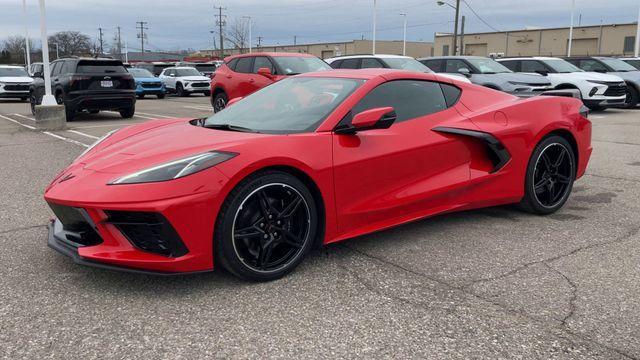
column 633, row 97
column 266, row 226
column 140, row 96
column 550, row 176
column 219, row 102
column 160, row 96
column 128, row 112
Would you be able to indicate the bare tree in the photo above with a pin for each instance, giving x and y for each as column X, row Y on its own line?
column 15, row 46
column 71, row 43
column 238, row 34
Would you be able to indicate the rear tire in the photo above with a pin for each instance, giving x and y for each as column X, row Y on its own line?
column 632, row 97
column 128, row 112
column 141, row 96
column 549, row 177
column 266, row 226
column 160, row 96
column 219, row 102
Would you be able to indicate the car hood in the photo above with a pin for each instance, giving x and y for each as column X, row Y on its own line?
column 148, row 80
column 16, row 79
column 195, row 78
column 522, row 78
column 143, row 146
column 587, row 75
column 633, row 76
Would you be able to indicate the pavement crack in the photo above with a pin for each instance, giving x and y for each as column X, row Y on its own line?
column 574, row 294
column 613, row 178
column 23, row 228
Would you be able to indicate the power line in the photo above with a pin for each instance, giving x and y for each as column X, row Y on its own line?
column 141, row 35
column 486, row 23
column 221, row 22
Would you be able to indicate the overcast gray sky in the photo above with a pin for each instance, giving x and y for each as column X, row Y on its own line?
column 186, row 23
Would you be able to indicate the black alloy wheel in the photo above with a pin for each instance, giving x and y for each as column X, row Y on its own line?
column 266, row 226
column 550, row 176
column 219, row 102
column 633, row 97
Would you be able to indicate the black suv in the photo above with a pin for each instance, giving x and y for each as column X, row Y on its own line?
column 88, row 84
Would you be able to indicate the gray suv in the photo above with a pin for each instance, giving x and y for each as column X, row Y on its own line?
column 488, row 72
column 613, row 66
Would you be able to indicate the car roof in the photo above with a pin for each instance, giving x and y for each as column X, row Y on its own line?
column 371, row 73
column 272, row 54
column 179, row 67
column 529, row 58
column 453, row 57
column 12, row 66
column 380, row 56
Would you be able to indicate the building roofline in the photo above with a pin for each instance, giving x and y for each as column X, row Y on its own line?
column 325, row 43
column 437, row 35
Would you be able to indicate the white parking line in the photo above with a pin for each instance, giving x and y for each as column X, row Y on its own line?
column 198, row 108
column 26, row 117
column 46, row 132
column 137, row 116
column 17, row 122
column 83, row 134
column 156, row 115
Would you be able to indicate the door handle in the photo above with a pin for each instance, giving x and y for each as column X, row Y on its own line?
column 252, row 81
column 229, row 76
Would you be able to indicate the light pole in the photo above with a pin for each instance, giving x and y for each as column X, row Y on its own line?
column 57, row 52
column 250, row 25
column 47, row 99
column 573, row 7
column 404, row 35
column 455, row 29
column 637, row 50
column 26, row 32
column 374, row 26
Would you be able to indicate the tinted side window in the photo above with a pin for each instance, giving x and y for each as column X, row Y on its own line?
column 350, row 64
column 232, row 64
column 409, row 98
column 368, row 63
column 451, row 94
column 262, row 62
column 55, row 69
column 591, row 65
column 532, row 66
column 336, row 64
column 244, row 65
column 435, row 65
column 511, row 65
column 454, row 66
column 68, row 68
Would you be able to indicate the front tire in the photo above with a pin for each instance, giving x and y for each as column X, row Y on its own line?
column 180, row 91
column 633, row 97
column 266, row 226
column 219, row 102
column 549, row 177
column 160, row 96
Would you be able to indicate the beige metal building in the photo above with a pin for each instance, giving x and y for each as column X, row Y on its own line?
column 327, row 50
column 607, row 39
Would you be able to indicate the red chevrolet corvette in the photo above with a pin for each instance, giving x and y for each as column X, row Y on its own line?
column 310, row 160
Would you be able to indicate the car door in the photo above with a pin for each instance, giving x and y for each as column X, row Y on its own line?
column 171, row 78
column 242, row 78
column 258, row 81
column 405, row 171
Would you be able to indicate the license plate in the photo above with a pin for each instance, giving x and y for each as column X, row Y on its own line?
column 106, row 83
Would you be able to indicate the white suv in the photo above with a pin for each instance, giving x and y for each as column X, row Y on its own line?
column 185, row 81
column 598, row 90
column 398, row 62
column 14, row 82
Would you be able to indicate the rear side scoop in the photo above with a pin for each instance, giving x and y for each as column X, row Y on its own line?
column 498, row 154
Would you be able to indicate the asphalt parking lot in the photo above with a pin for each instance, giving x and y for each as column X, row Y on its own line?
column 494, row 283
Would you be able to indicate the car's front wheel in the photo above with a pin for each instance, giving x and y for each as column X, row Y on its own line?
column 633, row 97
column 266, row 226
column 180, row 90
column 550, row 176
column 219, row 102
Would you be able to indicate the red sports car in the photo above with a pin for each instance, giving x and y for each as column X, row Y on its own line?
column 242, row 75
column 310, row 160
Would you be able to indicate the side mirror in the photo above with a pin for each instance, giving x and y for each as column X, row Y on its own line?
column 376, row 118
column 266, row 72
column 542, row 72
column 464, row 71
column 234, row 100
column 38, row 74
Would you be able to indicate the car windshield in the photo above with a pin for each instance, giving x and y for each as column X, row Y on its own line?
column 618, row 65
column 488, row 66
column 292, row 65
column 294, row 105
column 187, row 72
column 206, row 67
column 100, row 67
column 562, row 66
column 13, row 72
column 633, row 62
column 406, row 64
column 140, row 73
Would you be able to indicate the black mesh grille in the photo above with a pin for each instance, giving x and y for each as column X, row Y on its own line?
column 76, row 225
column 17, row 87
column 148, row 231
column 151, row 85
column 616, row 90
column 199, row 85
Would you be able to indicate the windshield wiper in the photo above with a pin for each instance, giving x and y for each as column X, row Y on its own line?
column 229, row 127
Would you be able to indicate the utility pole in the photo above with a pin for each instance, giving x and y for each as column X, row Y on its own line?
column 26, row 32
column 573, row 6
column 462, row 36
column 221, row 23
column 455, row 30
column 637, row 50
column 119, row 44
column 404, row 35
column 295, row 40
column 101, row 41
column 141, row 25
column 259, row 41
column 374, row 26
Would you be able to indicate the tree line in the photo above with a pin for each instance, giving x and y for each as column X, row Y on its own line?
column 69, row 43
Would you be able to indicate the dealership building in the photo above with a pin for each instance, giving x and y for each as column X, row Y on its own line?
column 605, row 39
column 330, row 49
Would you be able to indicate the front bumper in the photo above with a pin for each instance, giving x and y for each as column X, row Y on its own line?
column 14, row 94
column 201, row 87
column 605, row 102
column 142, row 90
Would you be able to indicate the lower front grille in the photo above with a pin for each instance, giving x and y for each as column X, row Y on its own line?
column 77, row 225
column 148, row 231
column 16, row 87
column 151, row 85
column 616, row 90
column 199, row 85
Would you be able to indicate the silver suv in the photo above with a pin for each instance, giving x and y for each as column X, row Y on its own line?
column 488, row 72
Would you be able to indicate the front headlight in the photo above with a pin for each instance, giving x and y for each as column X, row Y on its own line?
column 176, row 169
column 97, row 142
